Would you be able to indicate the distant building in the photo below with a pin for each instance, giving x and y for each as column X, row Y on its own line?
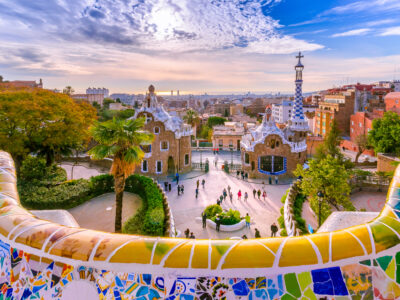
column 117, row 106
column 124, row 98
column 91, row 98
column 396, row 85
column 282, row 112
column 170, row 150
column 103, row 91
column 27, row 83
column 392, row 102
column 228, row 136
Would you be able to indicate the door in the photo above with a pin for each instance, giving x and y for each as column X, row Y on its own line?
column 171, row 165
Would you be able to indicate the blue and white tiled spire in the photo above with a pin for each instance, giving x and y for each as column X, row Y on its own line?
column 298, row 121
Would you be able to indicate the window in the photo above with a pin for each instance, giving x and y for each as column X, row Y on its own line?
column 186, row 159
column 146, row 148
column 272, row 164
column 272, row 144
column 277, row 144
column 220, row 143
column 352, row 130
column 352, row 122
column 156, row 130
column 359, row 124
column 164, row 145
column 158, row 166
column 246, row 158
column 230, row 144
column 144, row 166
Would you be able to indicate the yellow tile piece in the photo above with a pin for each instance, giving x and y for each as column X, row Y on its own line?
column 361, row 232
column 248, row 254
column 136, row 251
column 321, row 240
column 297, row 251
column 344, row 245
column 200, row 254
column 218, row 249
column 36, row 236
column 391, row 269
column 272, row 243
column 387, row 212
column 392, row 223
column 384, row 237
column 164, row 246
column 8, row 223
column 30, row 222
column 180, row 257
column 63, row 232
column 109, row 243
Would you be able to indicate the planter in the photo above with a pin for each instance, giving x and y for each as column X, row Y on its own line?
column 227, row 228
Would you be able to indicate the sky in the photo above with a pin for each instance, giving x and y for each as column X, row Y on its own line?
column 199, row 46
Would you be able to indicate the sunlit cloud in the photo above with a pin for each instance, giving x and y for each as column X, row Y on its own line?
column 391, row 31
column 361, row 31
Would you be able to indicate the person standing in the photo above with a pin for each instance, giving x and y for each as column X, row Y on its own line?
column 246, row 196
column 259, row 194
column 177, row 178
column 203, row 183
column 224, row 193
column 197, row 192
column 166, row 186
column 257, row 234
column 269, row 180
column 204, row 219
column 240, row 195
column 198, row 183
column 276, row 179
column 229, row 189
column 264, row 194
column 179, row 190
column 187, row 232
column 274, row 230
column 182, row 189
column 217, row 223
column 192, row 236
column 254, row 193
column 221, row 198
column 247, row 219
column 231, row 196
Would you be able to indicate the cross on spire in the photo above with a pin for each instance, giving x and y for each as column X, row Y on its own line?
column 299, row 56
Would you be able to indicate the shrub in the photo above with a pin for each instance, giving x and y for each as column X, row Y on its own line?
column 283, row 232
column 33, row 168
column 102, row 184
column 230, row 217
column 281, row 222
column 213, row 210
column 207, row 166
column 226, row 166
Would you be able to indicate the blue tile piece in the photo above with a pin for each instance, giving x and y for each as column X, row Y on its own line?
column 241, row 288
column 329, row 282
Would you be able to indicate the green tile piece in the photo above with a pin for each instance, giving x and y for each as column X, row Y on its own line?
column 398, row 258
column 383, row 236
column 375, row 263
column 391, row 269
column 384, row 261
column 398, row 274
column 366, row 262
column 292, row 286
column 310, row 294
column 288, row 297
column 304, row 279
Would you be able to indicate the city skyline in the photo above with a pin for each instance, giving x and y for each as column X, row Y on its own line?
column 199, row 46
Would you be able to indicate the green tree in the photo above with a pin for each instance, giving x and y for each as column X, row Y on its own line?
column 385, row 133
column 331, row 143
column 191, row 117
column 121, row 140
column 362, row 144
column 212, row 121
column 68, row 90
column 329, row 176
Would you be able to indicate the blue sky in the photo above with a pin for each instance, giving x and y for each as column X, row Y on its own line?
column 199, row 46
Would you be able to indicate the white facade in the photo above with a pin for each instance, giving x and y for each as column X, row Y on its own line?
column 103, row 91
column 396, row 84
column 282, row 112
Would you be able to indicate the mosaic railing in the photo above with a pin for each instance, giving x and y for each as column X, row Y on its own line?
column 40, row 259
column 288, row 213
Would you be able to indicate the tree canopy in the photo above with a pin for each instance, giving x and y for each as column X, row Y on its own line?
column 191, row 117
column 385, row 133
column 42, row 122
column 212, row 121
column 329, row 176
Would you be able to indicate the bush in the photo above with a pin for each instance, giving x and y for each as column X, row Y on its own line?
column 207, row 166
column 281, row 222
column 33, row 168
column 283, row 232
column 226, row 167
column 230, row 217
column 213, row 210
column 101, row 184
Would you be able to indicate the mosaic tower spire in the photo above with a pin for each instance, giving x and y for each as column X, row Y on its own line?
column 298, row 121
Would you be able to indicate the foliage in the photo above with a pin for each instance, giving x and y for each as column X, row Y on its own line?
column 43, row 122
column 362, row 144
column 230, row 217
column 106, row 114
column 34, row 171
column 207, row 166
column 213, row 210
column 101, row 184
column 331, row 143
column 384, row 136
column 283, row 199
column 191, row 117
column 329, row 176
column 226, row 166
column 297, row 212
column 212, row 121
column 106, row 102
column 68, row 90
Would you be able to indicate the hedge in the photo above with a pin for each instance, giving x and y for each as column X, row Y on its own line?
column 148, row 220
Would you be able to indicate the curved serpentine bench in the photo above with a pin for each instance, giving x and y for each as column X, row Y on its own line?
column 43, row 259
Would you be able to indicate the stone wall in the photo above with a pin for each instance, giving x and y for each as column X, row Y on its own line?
column 386, row 162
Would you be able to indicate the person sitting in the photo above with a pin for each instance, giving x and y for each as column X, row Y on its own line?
column 187, row 231
column 274, row 230
column 192, row 236
column 244, row 237
column 204, row 219
column 257, row 234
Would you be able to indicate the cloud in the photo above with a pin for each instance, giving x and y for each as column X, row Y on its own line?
column 361, row 31
column 391, row 31
column 361, row 6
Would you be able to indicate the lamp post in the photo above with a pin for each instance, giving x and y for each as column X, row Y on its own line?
column 231, row 148
column 320, row 198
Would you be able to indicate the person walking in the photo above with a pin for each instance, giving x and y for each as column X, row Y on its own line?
column 217, row 223
column 264, row 194
column 192, row 236
column 221, row 198
column 179, row 190
column 254, row 193
column 177, row 178
column 269, row 180
column 231, row 196
column 166, row 186
column 197, row 192
column 247, row 219
column 204, row 219
column 259, row 194
column 187, row 232
column 203, row 183
column 237, row 173
column 218, row 201
column 182, row 189
column 198, row 183
column 229, row 189
column 224, row 193
column 257, row 234
column 246, row 196
column 240, row 195
column 274, row 230
column 276, row 179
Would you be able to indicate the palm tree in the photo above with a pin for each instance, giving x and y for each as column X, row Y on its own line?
column 121, row 140
column 192, row 118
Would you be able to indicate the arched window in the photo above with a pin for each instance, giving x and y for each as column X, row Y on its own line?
column 246, row 158
column 156, row 130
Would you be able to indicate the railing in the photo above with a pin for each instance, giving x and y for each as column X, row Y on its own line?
column 288, row 213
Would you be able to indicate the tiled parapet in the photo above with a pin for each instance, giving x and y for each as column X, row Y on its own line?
column 40, row 258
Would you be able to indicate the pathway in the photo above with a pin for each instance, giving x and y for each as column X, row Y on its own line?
column 83, row 170
column 186, row 207
column 99, row 213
